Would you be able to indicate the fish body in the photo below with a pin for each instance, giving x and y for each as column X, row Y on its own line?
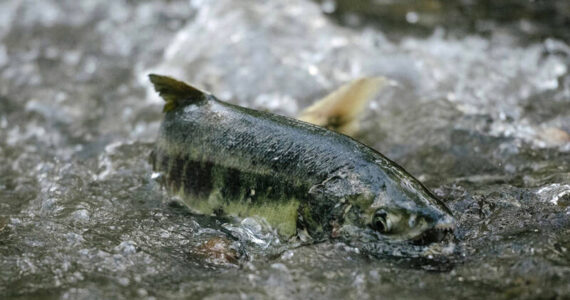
column 229, row 160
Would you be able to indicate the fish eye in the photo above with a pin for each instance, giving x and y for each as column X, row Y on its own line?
column 380, row 222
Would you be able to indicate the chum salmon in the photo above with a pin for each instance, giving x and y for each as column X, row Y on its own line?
column 224, row 159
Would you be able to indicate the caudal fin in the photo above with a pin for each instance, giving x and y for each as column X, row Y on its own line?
column 341, row 109
column 175, row 93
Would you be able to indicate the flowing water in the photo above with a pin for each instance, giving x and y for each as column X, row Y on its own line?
column 478, row 109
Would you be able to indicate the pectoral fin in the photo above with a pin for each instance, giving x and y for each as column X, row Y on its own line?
column 341, row 109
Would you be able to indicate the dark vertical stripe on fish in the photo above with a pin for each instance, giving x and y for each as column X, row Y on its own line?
column 198, row 179
column 231, row 188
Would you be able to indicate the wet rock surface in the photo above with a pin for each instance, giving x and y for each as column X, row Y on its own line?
column 480, row 114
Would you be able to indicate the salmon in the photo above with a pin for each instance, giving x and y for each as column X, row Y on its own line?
column 224, row 159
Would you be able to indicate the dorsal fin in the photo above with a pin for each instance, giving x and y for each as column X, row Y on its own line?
column 341, row 109
column 175, row 93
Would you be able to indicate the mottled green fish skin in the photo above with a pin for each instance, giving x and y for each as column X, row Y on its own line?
column 226, row 159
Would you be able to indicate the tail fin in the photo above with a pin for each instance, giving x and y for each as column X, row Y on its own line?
column 341, row 109
column 175, row 93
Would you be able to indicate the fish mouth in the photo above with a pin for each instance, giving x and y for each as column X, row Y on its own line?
column 432, row 233
column 437, row 233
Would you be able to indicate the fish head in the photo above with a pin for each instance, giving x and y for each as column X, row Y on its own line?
column 426, row 225
column 401, row 208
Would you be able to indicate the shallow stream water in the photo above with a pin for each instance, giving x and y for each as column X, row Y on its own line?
column 478, row 109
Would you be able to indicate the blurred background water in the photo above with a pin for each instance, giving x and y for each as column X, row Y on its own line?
column 479, row 110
